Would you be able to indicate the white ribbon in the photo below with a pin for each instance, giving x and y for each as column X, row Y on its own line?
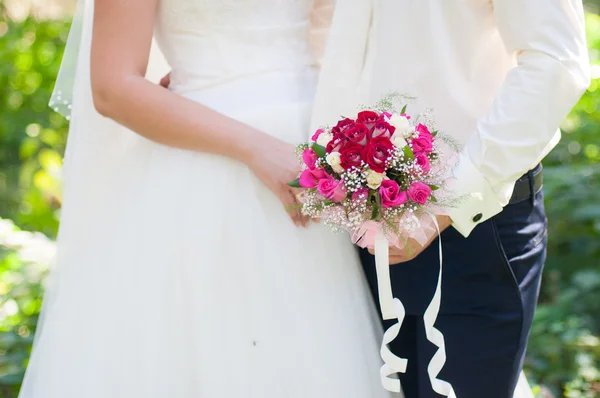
column 392, row 307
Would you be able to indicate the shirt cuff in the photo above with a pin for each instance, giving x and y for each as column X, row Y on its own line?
column 478, row 201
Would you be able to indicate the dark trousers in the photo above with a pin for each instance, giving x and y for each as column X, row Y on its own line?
column 490, row 287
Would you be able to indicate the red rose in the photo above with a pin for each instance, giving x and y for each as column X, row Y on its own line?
column 368, row 118
column 383, row 129
column 358, row 133
column 423, row 162
column 336, row 143
column 419, row 192
column 350, row 155
column 421, row 145
column 377, row 153
column 342, row 126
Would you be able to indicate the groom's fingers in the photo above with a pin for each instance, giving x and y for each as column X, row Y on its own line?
column 396, row 256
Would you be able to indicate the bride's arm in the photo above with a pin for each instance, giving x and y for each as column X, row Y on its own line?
column 121, row 42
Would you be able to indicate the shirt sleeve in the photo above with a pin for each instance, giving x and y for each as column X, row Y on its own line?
column 520, row 128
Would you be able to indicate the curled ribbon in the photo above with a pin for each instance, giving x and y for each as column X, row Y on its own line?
column 392, row 308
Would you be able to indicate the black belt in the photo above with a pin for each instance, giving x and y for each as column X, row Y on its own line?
column 528, row 185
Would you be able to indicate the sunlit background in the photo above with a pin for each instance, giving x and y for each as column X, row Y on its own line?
column 564, row 351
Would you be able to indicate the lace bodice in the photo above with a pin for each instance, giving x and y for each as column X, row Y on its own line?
column 207, row 42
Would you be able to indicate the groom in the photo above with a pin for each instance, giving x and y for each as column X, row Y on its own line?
column 500, row 76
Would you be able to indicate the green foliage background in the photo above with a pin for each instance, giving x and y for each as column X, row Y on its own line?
column 564, row 352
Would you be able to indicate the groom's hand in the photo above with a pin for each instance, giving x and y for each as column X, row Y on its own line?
column 413, row 248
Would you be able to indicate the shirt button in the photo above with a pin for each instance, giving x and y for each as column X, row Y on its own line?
column 477, row 217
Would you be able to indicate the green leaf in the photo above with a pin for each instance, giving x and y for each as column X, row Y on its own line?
column 404, row 109
column 434, row 133
column 376, row 205
column 408, row 153
column 319, row 150
column 295, row 183
column 434, row 187
column 433, row 199
column 375, row 212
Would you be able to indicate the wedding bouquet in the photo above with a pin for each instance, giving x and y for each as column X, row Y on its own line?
column 380, row 176
column 378, row 172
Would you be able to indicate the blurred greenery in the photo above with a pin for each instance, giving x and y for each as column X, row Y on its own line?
column 564, row 352
column 32, row 138
column 564, row 349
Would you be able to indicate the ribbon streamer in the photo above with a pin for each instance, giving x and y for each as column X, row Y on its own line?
column 392, row 307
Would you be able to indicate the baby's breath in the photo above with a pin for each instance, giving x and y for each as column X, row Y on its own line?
column 354, row 178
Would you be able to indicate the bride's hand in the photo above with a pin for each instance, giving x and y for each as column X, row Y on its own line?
column 275, row 166
column 165, row 81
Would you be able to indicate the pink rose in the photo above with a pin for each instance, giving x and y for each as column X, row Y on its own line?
column 310, row 158
column 368, row 118
column 383, row 129
column 424, row 132
column 390, row 193
column 421, row 145
column 332, row 189
column 360, row 195
column 423, row 162
column 310, row 178
column 419, row 192
column 317, row 134
column 385, row 116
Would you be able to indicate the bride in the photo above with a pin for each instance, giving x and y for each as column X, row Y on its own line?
column 184, row 269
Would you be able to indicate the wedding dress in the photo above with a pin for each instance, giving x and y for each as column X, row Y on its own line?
column 179, row 274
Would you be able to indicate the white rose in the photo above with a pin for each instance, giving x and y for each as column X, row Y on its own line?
column 324, row 139
column 334, row 159
column 374, row 179
column 398, row 141
column 400, row 122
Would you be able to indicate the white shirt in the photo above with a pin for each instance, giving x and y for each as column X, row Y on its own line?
column 500, row 76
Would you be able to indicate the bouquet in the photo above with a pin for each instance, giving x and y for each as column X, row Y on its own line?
column 380, row 171
column 378, row 175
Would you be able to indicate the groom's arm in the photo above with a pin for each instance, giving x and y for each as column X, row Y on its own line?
column 548, row 38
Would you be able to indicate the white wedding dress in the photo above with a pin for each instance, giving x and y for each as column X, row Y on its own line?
column 179, row 274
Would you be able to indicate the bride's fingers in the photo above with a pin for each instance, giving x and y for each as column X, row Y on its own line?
column 166, row 81
column 297, row 192
column 304, row 219
column 291, row 206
